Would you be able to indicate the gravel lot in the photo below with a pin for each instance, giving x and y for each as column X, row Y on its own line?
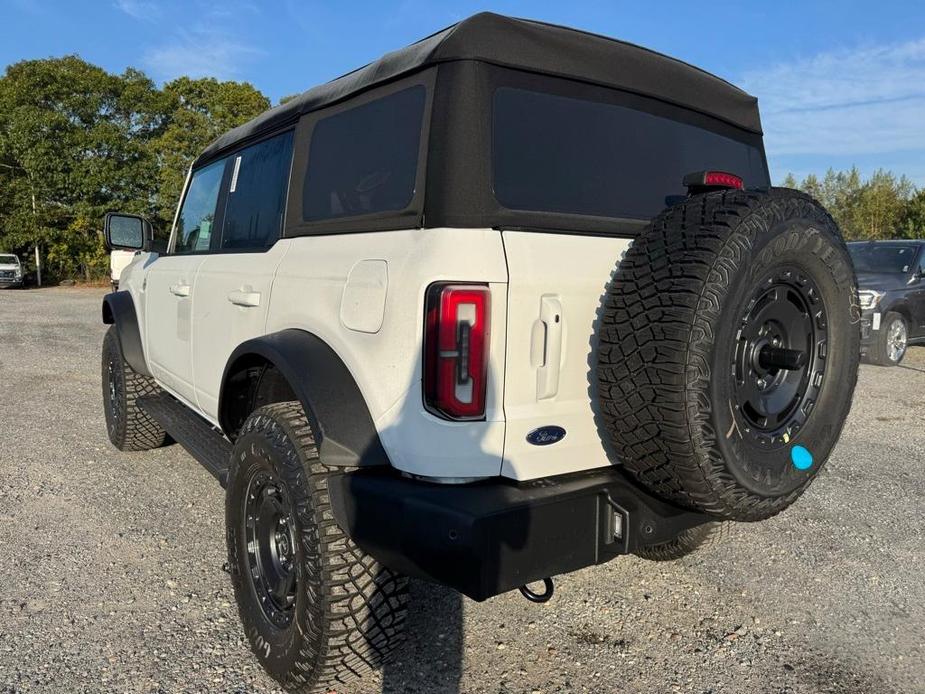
column 111, row 579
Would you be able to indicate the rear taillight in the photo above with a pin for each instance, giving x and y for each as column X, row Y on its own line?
column 456, row 350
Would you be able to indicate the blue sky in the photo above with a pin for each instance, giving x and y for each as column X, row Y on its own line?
column 838, row 82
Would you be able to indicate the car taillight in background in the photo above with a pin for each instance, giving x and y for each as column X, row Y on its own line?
column 456, row 336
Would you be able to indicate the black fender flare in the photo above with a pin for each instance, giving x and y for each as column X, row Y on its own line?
column 343, row 427
column 119, row 310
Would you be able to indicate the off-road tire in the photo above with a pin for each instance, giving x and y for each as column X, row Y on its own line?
column 687, row 541
column 880, row 350
column 349, row 611
column 130, row 428
column 670, row 326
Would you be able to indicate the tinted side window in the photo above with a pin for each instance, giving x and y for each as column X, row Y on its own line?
column 194, row 224
column 559, row 154
column 257, row 190
column 365, row 159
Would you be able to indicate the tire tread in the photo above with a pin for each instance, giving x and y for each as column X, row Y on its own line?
column 138, row 431
column 358, row 618
column 655, row 339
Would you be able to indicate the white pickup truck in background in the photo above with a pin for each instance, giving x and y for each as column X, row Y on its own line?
column 11, row 270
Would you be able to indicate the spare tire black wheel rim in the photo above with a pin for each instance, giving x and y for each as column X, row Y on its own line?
column 271, row 548
column 779, row 358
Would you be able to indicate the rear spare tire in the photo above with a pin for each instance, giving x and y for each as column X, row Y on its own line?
column 684, row 543
column 728, row 351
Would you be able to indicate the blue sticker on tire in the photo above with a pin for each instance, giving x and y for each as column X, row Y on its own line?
column 802, row 459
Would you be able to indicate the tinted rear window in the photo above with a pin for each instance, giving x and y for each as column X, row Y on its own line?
column 364, row 160
column 559, row 154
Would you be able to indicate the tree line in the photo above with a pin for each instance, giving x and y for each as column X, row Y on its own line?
column 883, row 206
column 77, row 141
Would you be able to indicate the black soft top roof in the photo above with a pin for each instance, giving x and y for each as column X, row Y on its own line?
column 526, row 45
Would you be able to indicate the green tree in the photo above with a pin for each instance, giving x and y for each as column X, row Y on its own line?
column 881, row 207
column 76, row 141
column 875, row 209
column 836, row 191
column 912, row 222
column 200, row 110
column 813, row 186
column 73, row 142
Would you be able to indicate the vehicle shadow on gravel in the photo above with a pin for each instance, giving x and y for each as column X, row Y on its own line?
column 431, row 658
column 920, row 369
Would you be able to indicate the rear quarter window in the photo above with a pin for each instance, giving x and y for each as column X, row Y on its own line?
column 560, row 154
column 364, row 160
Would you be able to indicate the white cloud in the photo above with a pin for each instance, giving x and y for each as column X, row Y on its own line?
column 139, row 9
column 847, row 102
column 200, row 53
column 209, row 46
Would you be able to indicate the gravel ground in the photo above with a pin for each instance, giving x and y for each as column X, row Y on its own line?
column 111, row 579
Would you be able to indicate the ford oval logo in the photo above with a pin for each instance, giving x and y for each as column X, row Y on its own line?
column 546, row 436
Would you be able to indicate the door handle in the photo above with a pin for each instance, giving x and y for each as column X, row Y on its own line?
column 241, row 297
column 179, row 289
column 547, row 375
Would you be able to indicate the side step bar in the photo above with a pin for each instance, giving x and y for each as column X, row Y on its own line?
column 200, row 439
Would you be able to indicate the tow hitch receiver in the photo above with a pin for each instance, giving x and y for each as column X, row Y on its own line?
column 489, row 537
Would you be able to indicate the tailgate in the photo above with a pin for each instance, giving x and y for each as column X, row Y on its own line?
column 556, row 284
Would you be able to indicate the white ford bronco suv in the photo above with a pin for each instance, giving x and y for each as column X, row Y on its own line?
column 509, row 302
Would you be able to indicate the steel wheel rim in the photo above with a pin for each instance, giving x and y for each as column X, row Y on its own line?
column 270, row 546
column 896, row 340
column 778, row 362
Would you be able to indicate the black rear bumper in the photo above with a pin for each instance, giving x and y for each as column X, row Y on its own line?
column 490, row 537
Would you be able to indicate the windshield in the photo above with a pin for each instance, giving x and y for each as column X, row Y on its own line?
column 8, row 260
column 882, row 257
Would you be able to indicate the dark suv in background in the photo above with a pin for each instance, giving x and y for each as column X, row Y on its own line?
column 891, row 287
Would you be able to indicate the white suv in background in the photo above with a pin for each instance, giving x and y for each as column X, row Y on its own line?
column 506, row 303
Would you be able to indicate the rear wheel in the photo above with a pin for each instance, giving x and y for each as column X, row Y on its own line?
column 130, row 428
column 728, row 353
column 892, row 340
column 318, row 611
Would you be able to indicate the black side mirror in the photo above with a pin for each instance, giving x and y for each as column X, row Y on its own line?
column 127, row 232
